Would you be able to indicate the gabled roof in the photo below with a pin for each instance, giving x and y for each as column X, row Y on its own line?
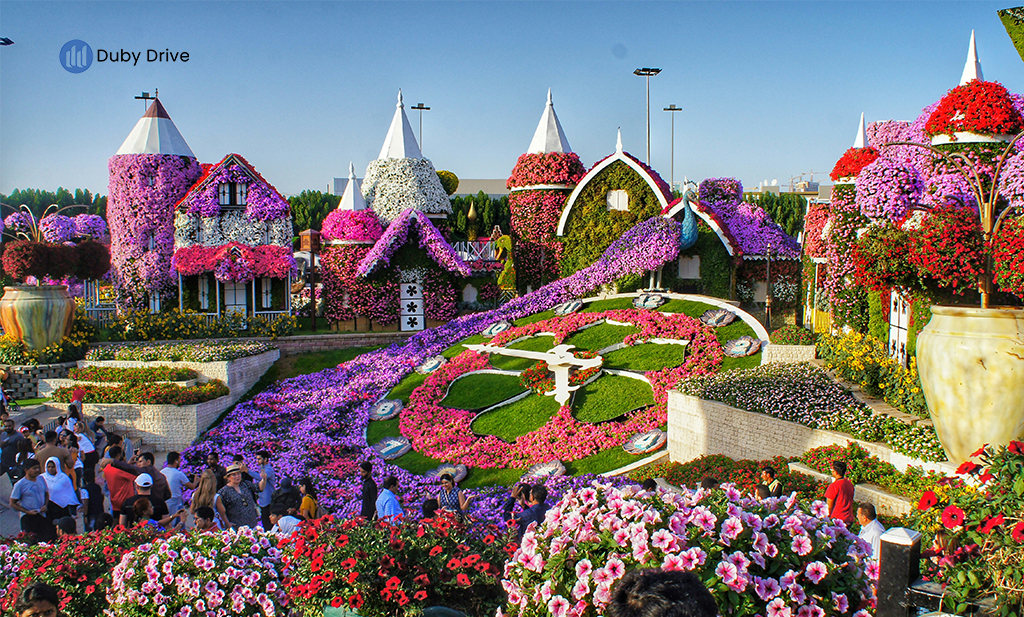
column 397, row 234
column 651, row 177
column 400, row 142
column 208, row 170
column 972, row 68
column 352, row 198
column 155, row 133
column 549, row 136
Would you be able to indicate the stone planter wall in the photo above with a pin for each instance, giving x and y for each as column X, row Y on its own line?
column 697, row 427
column 239, row 375
column 160, row 427
column 24, row 379
column 788, row 354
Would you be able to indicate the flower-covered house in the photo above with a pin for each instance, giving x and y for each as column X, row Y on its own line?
column 232, row 243
column 735, row 238
column 401, row 277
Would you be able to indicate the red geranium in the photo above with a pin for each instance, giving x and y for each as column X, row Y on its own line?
column 1016, row 447
column 952, row 516
column 989, row 524
column 852, row 161
column 977, row 107
column 967, row 467
column 928, row 500
column 1018, row 532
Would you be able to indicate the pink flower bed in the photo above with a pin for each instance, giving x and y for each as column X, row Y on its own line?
column 445, row 433
column 360, row 226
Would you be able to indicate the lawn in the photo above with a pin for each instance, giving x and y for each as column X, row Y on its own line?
column 481, row 391
column 379, row 429
column 646, row 357
column 415, row 462
column 610, row 397
column 32, row 401
column 522, row 321
column 604, row 461
column 600, row 336
column 518, row 418
column 534, row 343
column 608, row 305
column 736, row 329
column 404, row 389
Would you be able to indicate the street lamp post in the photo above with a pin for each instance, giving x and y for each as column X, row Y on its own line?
column 420, row 107
column 672, row 173
column 647, row 72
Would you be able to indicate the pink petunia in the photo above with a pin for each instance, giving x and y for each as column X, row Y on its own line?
column 583, row 569
column 673, row 562
column 801, row 545
column 727, row 572
column 615, row 568
column 778, row 608
column 816, row 571
column 558, row 606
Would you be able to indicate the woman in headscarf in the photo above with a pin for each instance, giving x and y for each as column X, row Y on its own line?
column 62, row 491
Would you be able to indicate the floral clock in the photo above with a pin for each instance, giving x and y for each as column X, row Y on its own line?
column 431, row 365
column 447, row 433
column 386, row 409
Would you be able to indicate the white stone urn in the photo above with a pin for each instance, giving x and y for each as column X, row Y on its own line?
column 971, row 362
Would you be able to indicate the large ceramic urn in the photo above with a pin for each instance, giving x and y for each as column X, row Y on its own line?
column 38, row 315
column 971, row 363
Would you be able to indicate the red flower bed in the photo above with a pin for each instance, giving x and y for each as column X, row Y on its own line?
column 978, row 107
column 546, row 168
column 266, row 260
column 948, row 248
column 852, row 161
column 143, row 393
column 1008, row 256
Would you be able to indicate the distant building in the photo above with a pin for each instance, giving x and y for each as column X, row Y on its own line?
column 494, row 189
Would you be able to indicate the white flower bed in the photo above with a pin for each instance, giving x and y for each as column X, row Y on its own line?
column 394, row 185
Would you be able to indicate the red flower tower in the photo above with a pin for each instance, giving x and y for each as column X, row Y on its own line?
column 540, row 183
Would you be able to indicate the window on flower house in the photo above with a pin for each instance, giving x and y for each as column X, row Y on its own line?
column 154, row 302
column 618, row 200
column 204, row 292
column 266, row 286
column 265, row 236
column 689, row 267
column 233, row 193
column 152, row 243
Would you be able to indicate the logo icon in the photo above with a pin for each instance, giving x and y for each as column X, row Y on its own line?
column 76, row 56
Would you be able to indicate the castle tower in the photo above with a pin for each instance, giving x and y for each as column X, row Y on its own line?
column 400, row 178
column 540, row 183
column 150, row 172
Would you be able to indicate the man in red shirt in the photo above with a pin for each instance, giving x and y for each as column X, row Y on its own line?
column 120, row 483
column 839, row 495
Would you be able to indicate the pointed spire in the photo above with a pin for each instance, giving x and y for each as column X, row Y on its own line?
column 401, row 141
column 972, row 68
column 155, row 133
column 352, row 198
column 618, row 140
column 862, row 136
column 549, row 136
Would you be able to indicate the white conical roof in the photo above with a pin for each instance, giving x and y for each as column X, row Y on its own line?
column 862, row 136
column 155, row 133
column 549, row 136
column 401, row 141
column 352, row 198
column 972, row 69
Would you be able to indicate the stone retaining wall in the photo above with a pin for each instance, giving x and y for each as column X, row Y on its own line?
column 697, row 427
column 160, row 427
column 787, row 354
column 24, row 379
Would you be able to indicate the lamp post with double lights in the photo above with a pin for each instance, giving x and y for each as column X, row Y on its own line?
column 420, row 107
column 647, row 72
column 672, row 174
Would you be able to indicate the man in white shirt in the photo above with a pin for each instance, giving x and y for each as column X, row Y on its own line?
column 283, row 522
column 870, row 529
column 177, row 481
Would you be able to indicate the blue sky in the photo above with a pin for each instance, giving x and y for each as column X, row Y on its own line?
column 769, row 89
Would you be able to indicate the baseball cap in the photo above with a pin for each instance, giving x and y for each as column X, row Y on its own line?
column 144, row 480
